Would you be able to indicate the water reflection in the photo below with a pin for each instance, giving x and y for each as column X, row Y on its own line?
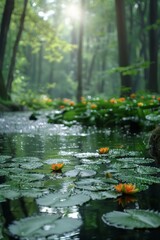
column 20, row 137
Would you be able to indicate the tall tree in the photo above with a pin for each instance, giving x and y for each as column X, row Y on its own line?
column 15, row 48
column 6, row 19
column 153, row 47
column 80, row 53
column 122, row 42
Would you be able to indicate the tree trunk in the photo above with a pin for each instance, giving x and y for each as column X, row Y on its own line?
column 153, row 48
column 51, row 79
column 142, row 8
column 40, row 63
column 122, row 43
column 91, row 67
column 80, row 52
column 3, row 92
column 8, row 9
column 15, row 48
column 6, row 18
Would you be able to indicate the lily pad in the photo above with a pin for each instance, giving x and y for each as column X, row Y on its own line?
column 4, row 158
column 57, row 160
column 26, row 159
column 139, row 179
column 10, row 194
column 136, row 160
column 43, row 226
column 32, row 165
column 86, row 155
column 62, row 200
column 27, row 177
column 80, row 173
column 131, row 219
column 101, row 195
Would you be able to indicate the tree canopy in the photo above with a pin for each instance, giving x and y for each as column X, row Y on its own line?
column 78, row 48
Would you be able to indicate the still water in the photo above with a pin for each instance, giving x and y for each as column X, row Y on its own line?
column 21, row 137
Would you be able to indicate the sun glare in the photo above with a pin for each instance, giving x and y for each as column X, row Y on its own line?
column 73, row 12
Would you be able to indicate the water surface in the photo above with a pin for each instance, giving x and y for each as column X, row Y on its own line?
column 21, row 137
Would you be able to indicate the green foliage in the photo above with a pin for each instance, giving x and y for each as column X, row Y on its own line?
column 132, row 70
column 134, row 112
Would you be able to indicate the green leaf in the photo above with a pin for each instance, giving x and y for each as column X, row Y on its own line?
column 43, row 226
column 78, row 199
column 4, row 158
column 136, row 160
column 57, row 160
column 101, row 194
column 51, row 199
column 62, row 200
column 31, row 165
column 10, row 194
column 28, row 227
column 80, row 173
column 131, row 219
column 25, row 159
column 138, row 179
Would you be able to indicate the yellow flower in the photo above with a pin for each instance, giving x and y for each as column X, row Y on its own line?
column 57, row 166
column 72, row 103
column 83, row 99
column 113, row 100
column 62, row 106
column 122, row 99
column 104, row 150
column 133, row 95
column 93, row 106
column 140, row 104
column 126, row 188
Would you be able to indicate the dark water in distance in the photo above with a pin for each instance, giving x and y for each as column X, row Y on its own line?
column 20, row 137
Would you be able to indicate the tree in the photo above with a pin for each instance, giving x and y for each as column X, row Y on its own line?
column 15, row 48
column 80, row 52
column 153, row 47
column 122, row 42
column 6, row 19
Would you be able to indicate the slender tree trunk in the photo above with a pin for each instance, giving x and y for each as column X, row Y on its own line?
column 153, row 48
column 6, row 18
column 91, row 67
column 39, row 74
column 3, row 92
column 103, row 68
column 80, row 53
column 8, row 9
column 51, row 78
column 15, row 48
column 122, row 42
column 142, row 8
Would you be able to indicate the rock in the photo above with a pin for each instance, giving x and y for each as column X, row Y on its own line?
column 154, row 144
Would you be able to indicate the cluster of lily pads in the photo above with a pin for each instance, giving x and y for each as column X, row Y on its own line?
column 57, row 186
column 136, row 111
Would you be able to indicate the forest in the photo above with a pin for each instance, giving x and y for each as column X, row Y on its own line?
column 71, row 49
column 79, row 119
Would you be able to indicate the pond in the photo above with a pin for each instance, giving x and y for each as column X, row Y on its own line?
column 38, row 203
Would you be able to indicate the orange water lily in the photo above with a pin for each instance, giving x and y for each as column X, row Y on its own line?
column 57, row 166
column 126, row 188
column 104, row 150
